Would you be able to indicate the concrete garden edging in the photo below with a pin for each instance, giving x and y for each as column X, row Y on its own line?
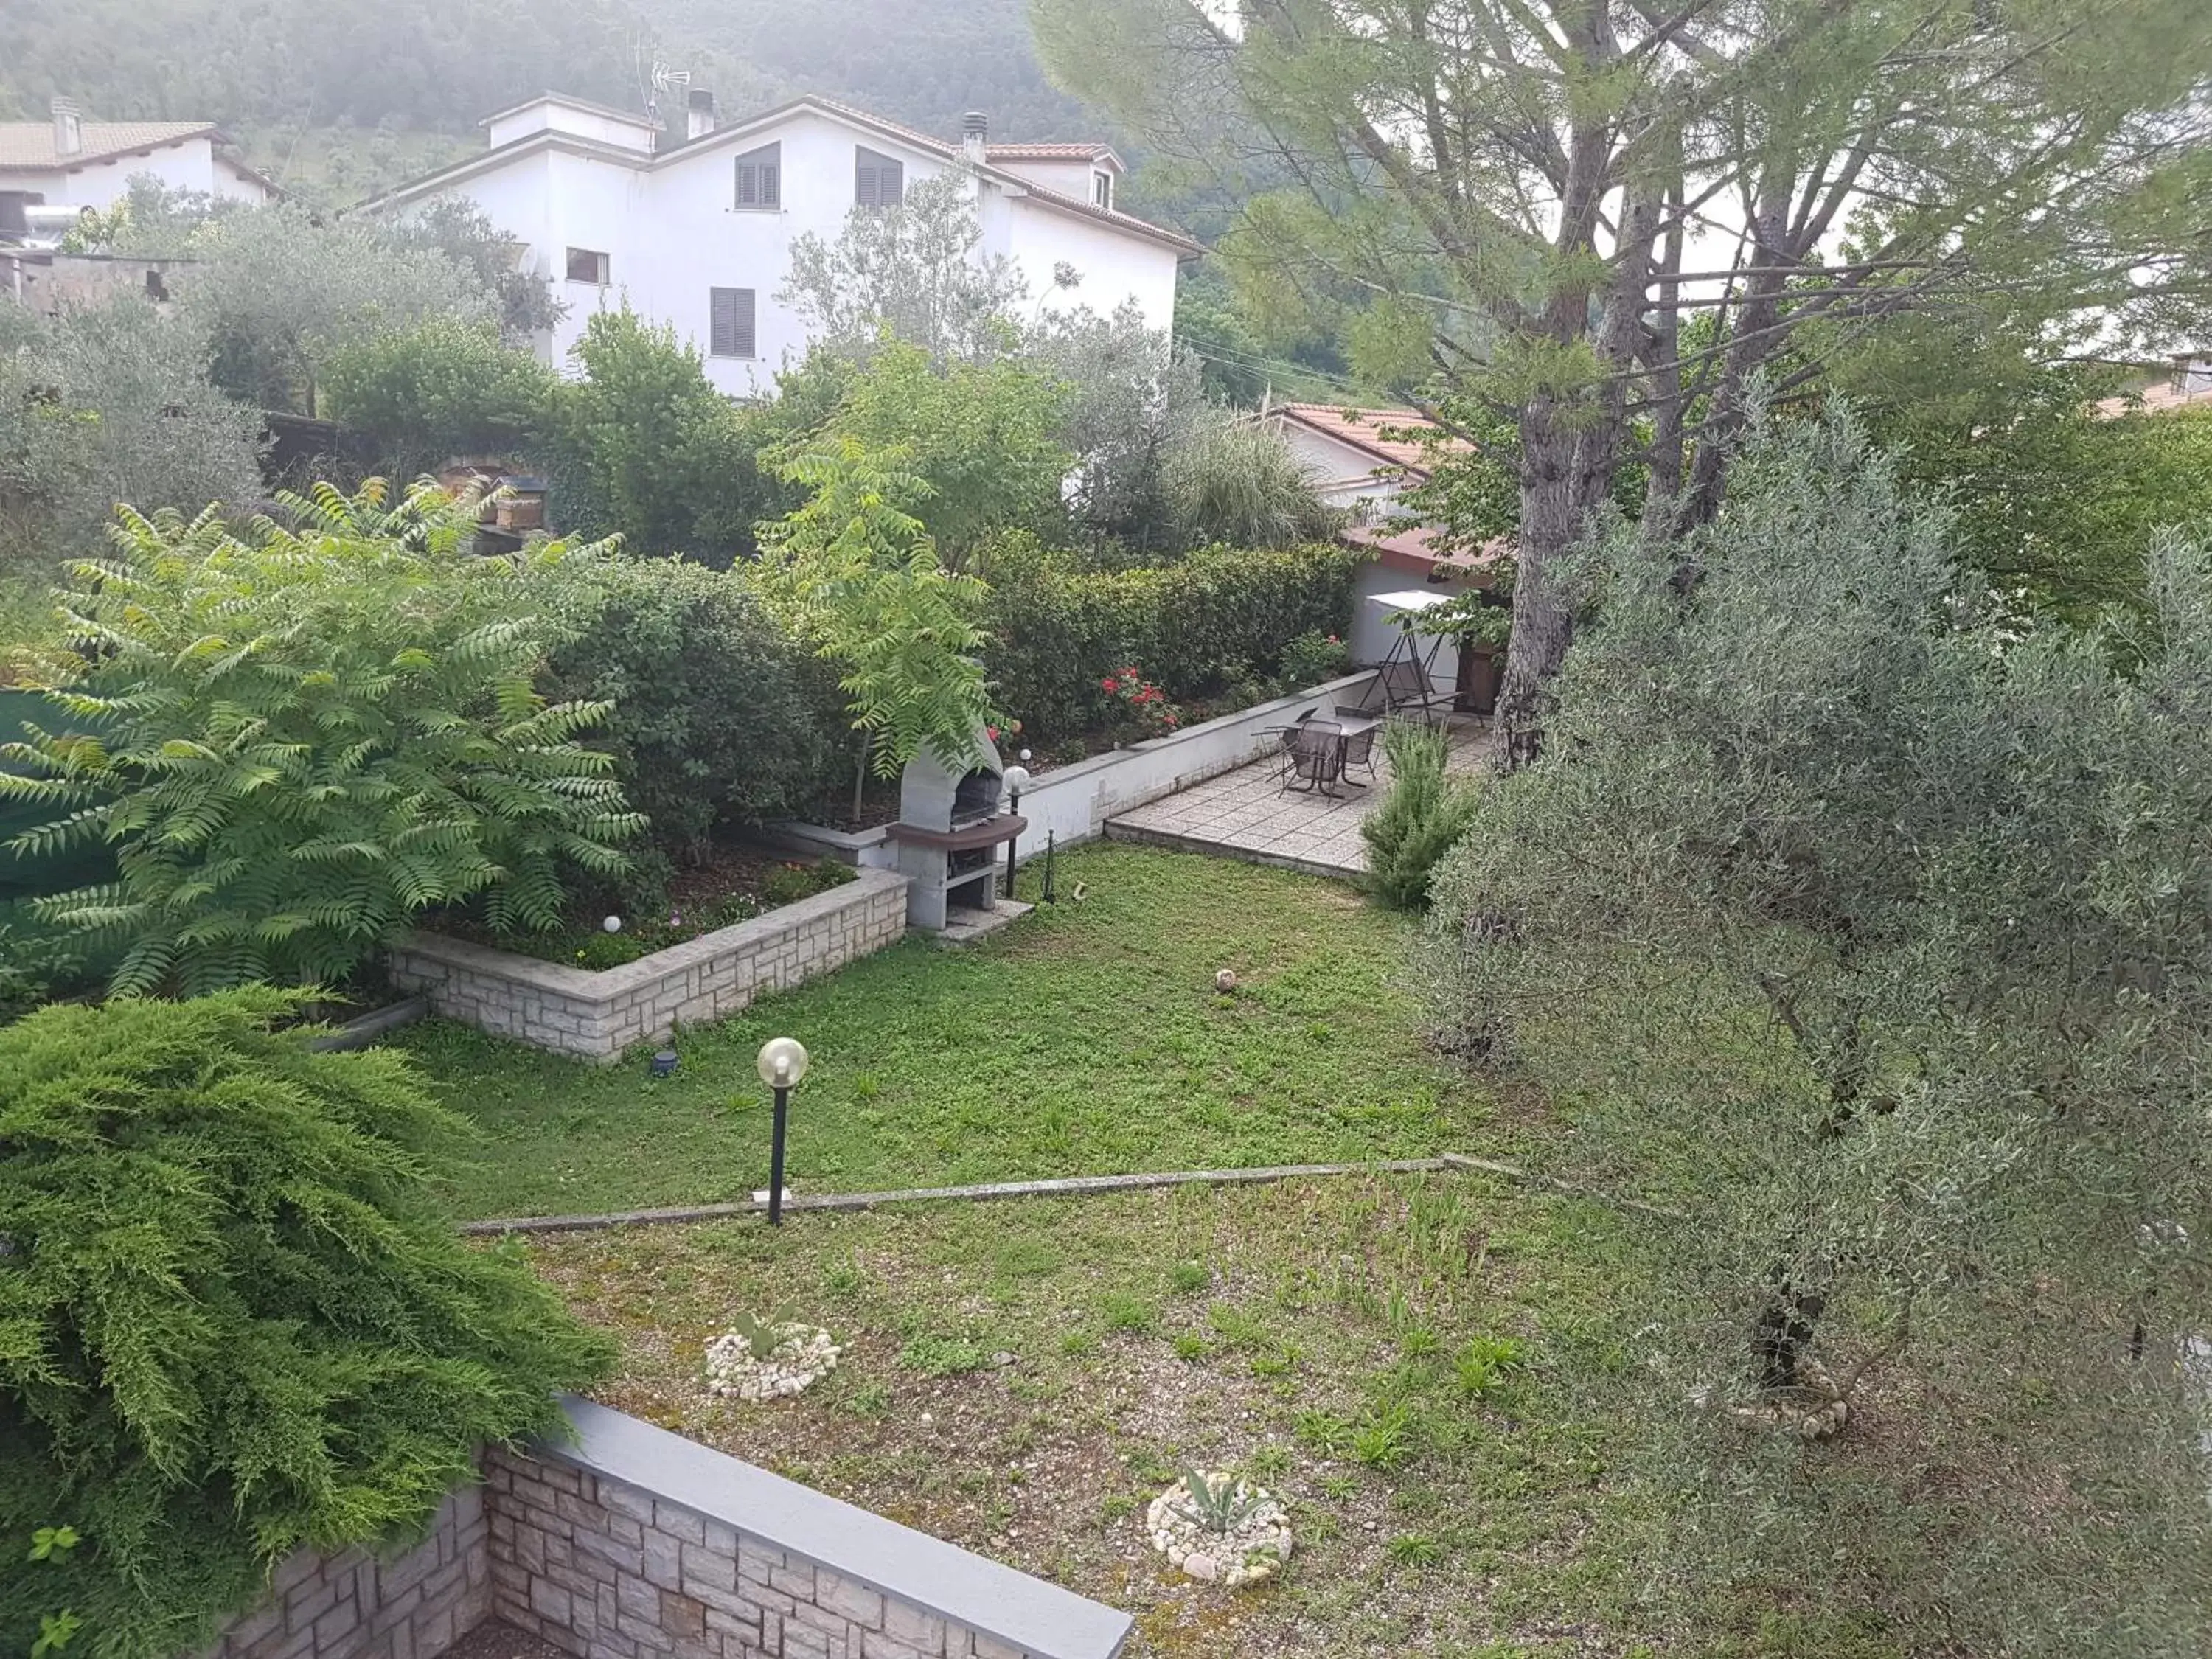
column 596, row 1015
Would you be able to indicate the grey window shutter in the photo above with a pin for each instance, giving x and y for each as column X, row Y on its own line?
column 760, row 177
column 878, row 180
column 730, row 322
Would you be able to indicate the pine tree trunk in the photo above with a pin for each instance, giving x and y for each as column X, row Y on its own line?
column 1551, row 514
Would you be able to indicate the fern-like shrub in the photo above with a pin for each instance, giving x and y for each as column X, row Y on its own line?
column 1421, row 815
column 311, row 736
column 233, row 1322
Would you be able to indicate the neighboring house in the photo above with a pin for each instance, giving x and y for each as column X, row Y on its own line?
column 1360, row 460
column 697, row 234
column 68, row 161
column 2189, row 387
column 1364, row 461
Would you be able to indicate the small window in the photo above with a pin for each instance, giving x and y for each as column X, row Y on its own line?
column 760, row 177
column 877, row 181
column 585, row 266
column 730, row 322
column 1101, row 190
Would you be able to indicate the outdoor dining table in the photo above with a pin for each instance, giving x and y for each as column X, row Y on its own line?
column 1349, row 727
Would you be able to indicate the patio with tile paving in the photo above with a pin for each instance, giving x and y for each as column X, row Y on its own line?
column 1247, row 814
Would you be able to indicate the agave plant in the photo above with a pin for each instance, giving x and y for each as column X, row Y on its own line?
column 1218, row 1506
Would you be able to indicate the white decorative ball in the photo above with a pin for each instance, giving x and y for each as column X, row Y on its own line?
column 1225, row 980
column 611, row 925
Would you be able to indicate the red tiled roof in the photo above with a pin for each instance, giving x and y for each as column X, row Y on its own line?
column 2163, row 398
column 31, row 143
column 1091, row 152
column 1364, row 429
column 1416, row 550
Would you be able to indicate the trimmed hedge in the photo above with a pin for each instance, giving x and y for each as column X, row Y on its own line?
column 1194, row 627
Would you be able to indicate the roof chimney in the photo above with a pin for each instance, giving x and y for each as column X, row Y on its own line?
column 68, row 127
column 975, row 134
column 699, row 113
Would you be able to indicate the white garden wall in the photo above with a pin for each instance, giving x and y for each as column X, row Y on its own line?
column 1073, row 803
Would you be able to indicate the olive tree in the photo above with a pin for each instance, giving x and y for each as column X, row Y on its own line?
column 1869, row 928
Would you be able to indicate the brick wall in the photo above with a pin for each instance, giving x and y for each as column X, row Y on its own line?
column 596, row 1015
column 635, row 1543
column 354, row 1607
column 630, row 1542
column 606, row 1572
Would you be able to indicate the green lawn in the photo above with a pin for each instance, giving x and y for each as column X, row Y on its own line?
column 1022, row 1378
column 1087, row 1040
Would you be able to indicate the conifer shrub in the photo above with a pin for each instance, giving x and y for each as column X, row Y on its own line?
column 233, row 1319
column 1421, row 817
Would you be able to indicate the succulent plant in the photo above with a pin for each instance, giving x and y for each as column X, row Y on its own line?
column 1218, row 1506
column 761, row 1337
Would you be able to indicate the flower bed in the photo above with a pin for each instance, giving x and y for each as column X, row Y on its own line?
column 733, row 885
column 596, row 1015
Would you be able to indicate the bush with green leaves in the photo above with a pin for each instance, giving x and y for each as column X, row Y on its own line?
column 1421, row 815
column 854, row 574
column 233, row 1322
column 1199, row 624
column 312, row 736
column 1314, row 659
column 106, row 403
column 644, row 446
column 445, row 389
column 979, row 435
column 718, row 715
column 1866, row 926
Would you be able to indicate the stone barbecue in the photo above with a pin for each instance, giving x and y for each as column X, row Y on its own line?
column 949, row 832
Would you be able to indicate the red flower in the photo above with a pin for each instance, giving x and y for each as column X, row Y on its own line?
column 1110, row 683
column 992, row 732
column 1333, row 639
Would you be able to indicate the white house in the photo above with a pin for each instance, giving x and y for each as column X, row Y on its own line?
column 68, row 161
column 1364, row 461
column 698, row 234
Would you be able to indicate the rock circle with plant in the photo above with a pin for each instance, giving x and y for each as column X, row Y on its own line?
column 770, row 1360
column 1215, row 1527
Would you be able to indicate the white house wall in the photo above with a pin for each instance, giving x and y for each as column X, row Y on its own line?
column 1112, row 265
column 673, row 232
column 1343, row 476
column 192, row 166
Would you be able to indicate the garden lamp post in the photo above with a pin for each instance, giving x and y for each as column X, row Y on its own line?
column 1017, row 780
column 782, row 1062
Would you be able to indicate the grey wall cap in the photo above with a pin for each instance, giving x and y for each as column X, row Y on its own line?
column 606, row 984
column 1041, row 1619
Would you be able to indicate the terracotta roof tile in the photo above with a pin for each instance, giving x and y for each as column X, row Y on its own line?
column 1363, row 429
column 1046, row 152
column 2163, row 398
column 31, row 143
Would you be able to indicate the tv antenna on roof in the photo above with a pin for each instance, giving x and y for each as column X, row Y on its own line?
column 664, row 79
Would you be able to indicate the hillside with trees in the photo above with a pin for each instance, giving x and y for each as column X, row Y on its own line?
column 336, row 100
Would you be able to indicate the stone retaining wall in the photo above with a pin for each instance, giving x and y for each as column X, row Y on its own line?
column 630, row 1542
column 638, row 1544
column 596, row 1015
column 354, row 1607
